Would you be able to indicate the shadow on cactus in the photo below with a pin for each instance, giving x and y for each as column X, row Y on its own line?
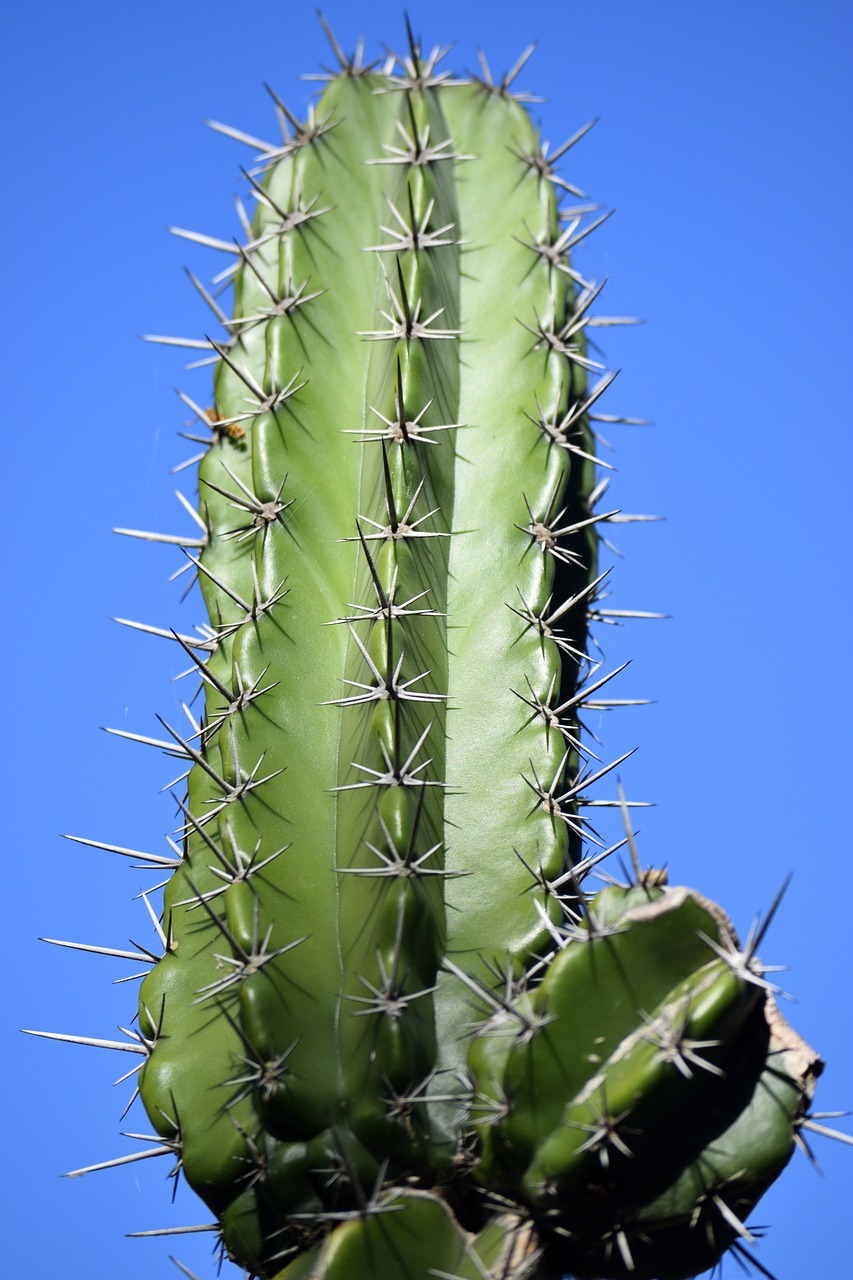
column 394, row 1030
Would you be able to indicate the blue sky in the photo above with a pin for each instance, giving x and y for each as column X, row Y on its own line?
column 724, row 145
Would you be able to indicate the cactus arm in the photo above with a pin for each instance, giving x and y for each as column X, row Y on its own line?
column 275, row 817
column 501, row 754
column 650, row 1061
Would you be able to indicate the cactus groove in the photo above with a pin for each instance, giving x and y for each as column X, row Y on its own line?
column 395, row 1031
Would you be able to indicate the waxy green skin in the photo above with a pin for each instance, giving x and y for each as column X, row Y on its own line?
column 379, row 1030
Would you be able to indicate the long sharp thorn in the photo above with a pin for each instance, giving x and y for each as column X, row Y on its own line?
column 389, row 488
column 377, row 582
column 173, row 1231
column 120, row 1160
column 101, row 951
column 168, row 747
column 210, row 676
column 156, row 923
column 517, row 66
column 774, row 907
column 825, row 1131
column 257, row 144
column 152, row 858
column 208, row 298
column 219, row 583
column 92, row 1041
column 629, row 833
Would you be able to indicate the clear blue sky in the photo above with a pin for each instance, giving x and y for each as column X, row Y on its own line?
column 725, row 147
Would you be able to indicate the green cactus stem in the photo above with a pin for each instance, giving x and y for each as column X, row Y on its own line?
column 393, row 1031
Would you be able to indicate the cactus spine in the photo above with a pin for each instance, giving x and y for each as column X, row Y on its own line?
column 392, row 1032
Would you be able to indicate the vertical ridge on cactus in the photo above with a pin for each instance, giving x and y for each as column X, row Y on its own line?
column 392, row 1030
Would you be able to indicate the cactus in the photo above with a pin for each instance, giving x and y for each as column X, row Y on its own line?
column 394, row 1031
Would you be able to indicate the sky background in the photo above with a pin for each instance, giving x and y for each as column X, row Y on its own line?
column 724, row 145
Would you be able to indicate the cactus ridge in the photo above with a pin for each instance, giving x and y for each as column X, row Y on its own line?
column 389, row 1029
